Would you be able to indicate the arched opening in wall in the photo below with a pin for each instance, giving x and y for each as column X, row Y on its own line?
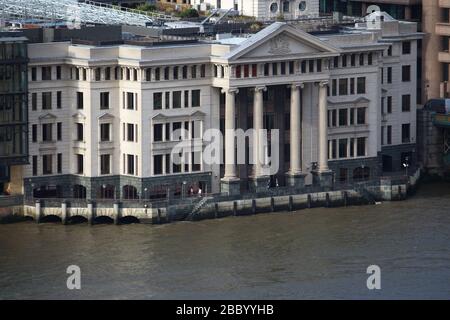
column 47, row 191
column 103, row 220
column 79, row 191
column 361, row 174
column 130, row 193
column 129, row 220
column 106, row 192
column 51, row 219
column 76, row 220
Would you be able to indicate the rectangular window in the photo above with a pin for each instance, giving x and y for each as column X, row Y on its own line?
column 130, row 132
column 389, row 135
column 195, row 98
column 157, row 101
column 47, row 164
column 361, row 59
column 389, row 75
column 130, row 164
column 185, row 72
column 58, row 99
column 104, row 100
column 97, row 74
column 130, row 100
column 186, row 99
column 344, row 61
column 352, row 116
column 319, row 65
column 35, row 165
column 80, row 100
column 389, row 104
column 47, row 134
column 361, row 147
column 194, row 72
column 167, row 100
column 406, row 103
column 406, row 73
column 80, row 132
column 175, row 73
column 361, row 85
column 46, row 73
column 342, row 148
column 46, row 100
column 158, row 74
column 334, row 87
column 105, row 164
column 158, row 132
column 406, row 47
column 158, row 164
column 406, row 133
column 58, row 73
column 105, row 132
column 343, row 117
column 148, row 74
column 33, row 74
column 203, row 71
column 382, row 135
column 343, row 87
column 34, row 133
column 59, row 163
column 361, row 115
column 80, row 163
column 59, row 131
column 303, row 66
column 176, row 99
column 34, row 101
column 176, row 131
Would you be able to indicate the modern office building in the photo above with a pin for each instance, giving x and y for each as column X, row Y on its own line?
column 105, row 119
column 13, row 112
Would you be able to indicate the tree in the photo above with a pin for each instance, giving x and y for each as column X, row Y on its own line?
column 146, row 7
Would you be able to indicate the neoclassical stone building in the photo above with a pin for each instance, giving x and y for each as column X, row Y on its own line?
column 104, row 119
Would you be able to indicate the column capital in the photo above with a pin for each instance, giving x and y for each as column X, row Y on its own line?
column 324, row 83
column 230, row 90
column 300, row 85
column 260, row 88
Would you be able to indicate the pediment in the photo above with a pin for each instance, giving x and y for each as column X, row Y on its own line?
column 79, row 115
column 280, row 39
column 47, row 116
column 198, row 114
column 106, row 116
column 159, row 117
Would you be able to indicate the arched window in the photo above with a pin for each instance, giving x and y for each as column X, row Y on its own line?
column 106, row 192
column 274, row 7
column 79, row 191
column 130, row 192
column 286, row 6
column 302, row 6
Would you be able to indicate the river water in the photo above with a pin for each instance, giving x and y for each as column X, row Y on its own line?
column 309, row 254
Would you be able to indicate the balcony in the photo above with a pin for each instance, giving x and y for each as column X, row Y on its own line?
column 443, row 28
column 444, row 3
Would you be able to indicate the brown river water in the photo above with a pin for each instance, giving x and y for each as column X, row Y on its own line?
column 309, row 254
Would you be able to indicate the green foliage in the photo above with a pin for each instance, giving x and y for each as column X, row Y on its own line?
column 146, row 7
column 189, row 13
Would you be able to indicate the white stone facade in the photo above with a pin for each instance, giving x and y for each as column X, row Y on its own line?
column 268, row 9
column 148, row 92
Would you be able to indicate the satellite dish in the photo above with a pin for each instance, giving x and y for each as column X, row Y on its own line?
column 373, row 8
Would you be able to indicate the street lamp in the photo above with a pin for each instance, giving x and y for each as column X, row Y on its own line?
column 406, row 165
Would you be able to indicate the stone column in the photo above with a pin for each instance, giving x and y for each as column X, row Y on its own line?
column 90, row 212
column 323, row 127
column 230, row 183
column 295, row 176
column 324, row 177
column 260, row 178
column 38, row 213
